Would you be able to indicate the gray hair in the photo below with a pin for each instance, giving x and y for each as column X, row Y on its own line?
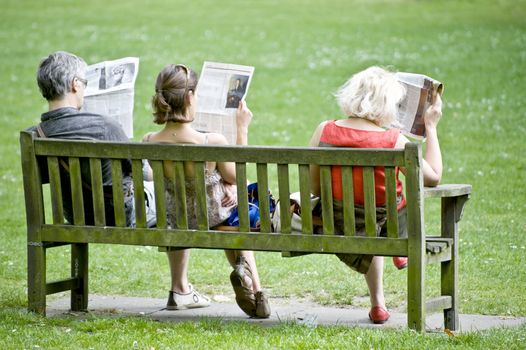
column 56, row 73
column 372, row 94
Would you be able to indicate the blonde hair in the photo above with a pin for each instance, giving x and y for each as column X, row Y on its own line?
column 372, row 94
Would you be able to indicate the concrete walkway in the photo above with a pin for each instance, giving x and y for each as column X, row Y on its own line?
column 282, row 311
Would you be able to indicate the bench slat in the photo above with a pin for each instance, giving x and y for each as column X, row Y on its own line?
column 326, row 199
column 349, row 223
column 178, row 181
column 76, row 191
column 160, row 197
column 55, row 189
column 242, row 196
column 284, row 194
column 257, row 241
column 97, row 192
column 138, row 193
column 245, row 154
column 118, row 195
column 390, row 197
column 305, row 198
column 200, row 187
column 264, row 212
column 369, row 201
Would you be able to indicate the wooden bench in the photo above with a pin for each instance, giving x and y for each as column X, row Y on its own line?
column 291, row 168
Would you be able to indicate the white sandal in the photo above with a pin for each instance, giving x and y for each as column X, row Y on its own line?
column 191, row 300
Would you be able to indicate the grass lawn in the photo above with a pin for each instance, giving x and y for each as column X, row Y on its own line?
column 303, row 50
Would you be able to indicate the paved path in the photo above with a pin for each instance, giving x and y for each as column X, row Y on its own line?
column 282, row 311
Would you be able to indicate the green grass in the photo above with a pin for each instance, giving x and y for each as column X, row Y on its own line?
column 303, row 51
column 21, row 330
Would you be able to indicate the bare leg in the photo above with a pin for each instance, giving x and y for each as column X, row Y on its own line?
column 374, row 279
column 178, row 260
column 231, row 255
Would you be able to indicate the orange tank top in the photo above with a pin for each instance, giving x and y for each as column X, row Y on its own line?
column 339, row 136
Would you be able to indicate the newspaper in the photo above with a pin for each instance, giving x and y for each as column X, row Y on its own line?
column 220, row 89
column 110, row 91
column 421, row 92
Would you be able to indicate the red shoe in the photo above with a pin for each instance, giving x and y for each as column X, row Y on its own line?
column 379, row 315
column 400, row 262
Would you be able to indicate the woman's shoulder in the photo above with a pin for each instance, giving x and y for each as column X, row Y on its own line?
column 216, row 139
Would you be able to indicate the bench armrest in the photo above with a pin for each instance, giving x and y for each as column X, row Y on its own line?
column 448, row 190
column 454, row 198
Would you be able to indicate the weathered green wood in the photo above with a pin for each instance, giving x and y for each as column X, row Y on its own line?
column 36, row 254
column 138, row 193
column 200, row 186
column 305, row 199
column 179, row 184
column 118, row 195
column 435, row 258
column 369, row 201
column 242, row 197
column 449, row 269
column 54, row 244
column 160, row 201
column 416, row 243
column 55, row 190
column 264, row 212
column 284, row 195
column 62, row 285
column 79, row 271
column 36, row 277
column 349, row 222
column 439, row 304
column 447, row 190
column 76, row 191
column 245, row 154
column 326, row 200
column 97, row 192
column 226, row 240
column 415, row 247
column 390, row 197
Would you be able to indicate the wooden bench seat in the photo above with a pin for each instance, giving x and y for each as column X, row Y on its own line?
column 282, row 167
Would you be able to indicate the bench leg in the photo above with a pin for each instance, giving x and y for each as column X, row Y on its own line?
column 79, row 270
column 451, row 214
column 416, row 295
column 36, row 279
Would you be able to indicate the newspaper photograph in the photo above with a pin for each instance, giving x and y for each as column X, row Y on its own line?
column 420, row 94
column 111, row 90
column 220, row 89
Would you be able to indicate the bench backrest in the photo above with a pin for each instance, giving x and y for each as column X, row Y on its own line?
column 283, row 158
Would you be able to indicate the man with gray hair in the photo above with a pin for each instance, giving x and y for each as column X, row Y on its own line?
column 62, row 81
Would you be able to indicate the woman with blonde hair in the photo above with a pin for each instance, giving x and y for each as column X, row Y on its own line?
column 369, row 100
column 174, row 105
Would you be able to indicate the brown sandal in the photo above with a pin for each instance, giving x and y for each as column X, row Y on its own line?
column 262, row 305
column 241, row 279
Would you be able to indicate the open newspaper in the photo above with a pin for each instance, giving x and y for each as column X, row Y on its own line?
column 421, row 92
column 110, row 91
column 220, row 89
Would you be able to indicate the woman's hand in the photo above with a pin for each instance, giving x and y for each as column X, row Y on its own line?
column 243, row 115
column 432, row 167
column 230, row 197
column 433, row 114
column 243, row 119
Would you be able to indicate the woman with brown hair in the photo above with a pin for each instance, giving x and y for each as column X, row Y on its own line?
column 174, row 105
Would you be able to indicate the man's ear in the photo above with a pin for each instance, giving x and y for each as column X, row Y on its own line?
column 74, row 85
